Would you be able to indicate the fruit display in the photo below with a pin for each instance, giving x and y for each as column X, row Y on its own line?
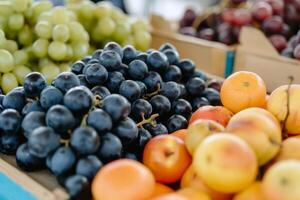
column 292, row 49
column 278, row 19
column 105, row 22
column 107, row 107
column 238, row 151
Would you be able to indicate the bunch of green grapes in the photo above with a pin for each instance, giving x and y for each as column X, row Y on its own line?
column 104, row 22
column 37, row 36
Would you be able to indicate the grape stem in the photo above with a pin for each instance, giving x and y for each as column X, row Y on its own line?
column 155, row 92
column 147, row 121
column 97, row 101
column 65, row 142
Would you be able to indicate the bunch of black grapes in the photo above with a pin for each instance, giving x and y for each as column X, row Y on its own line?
column 108, row 107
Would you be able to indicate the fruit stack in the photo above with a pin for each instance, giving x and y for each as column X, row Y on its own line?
column 246, row 149
column 278, row 19
column 108, row 107
column 105, row 22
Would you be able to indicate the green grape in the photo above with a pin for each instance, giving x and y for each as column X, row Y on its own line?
column 142, row 40
column 3, row 23
column 117, row 14
column 16, row 21
column 121, row 32
column 21, row 72
column 6, row 61
column 20, row 5
column 29, row 52
column 77, row 31
column 11, row 34
column 8, row 82
column 50, row 72
column 45, row 16
column 40, row 48
column 80, row 50
column 57, row 50
column 61, row 33
column 45, row 62
column 40, row 7
column 105, row 27
column 70, row 53
column 129, row 41
column 2, row 38
column 20, row 57
column 86, row 10
column 6, row 8
column 59, row 15
column 26, row 36
column 71, row 15
column 103, row 9
column 140, row 25
column 11, row 46
column 64, row 67
column 43, row 29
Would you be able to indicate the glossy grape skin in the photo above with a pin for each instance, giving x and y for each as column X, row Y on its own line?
column 187, row 67
column 126, row 130
column 26, row 161
column 33, row 84
column 116, row 106
column 9, row 143
column 85, row 140
column 77, row 67
column 79, row 99
column 139, row 108
column 65, row 81
column 142, row 56
column 83, row 81
column 173, row 73
column 170, row 90
column 10, row 121
column 113, row 46
column 195, row 86
column 86, row 59
column 78, row 187
column 143, row 138
column 32, row 121
column 92, row 61
column 172, row 56
column 123, row 69
column 166, row 46
column 1, row 98
column 60, row 119
column 32, row 106
column 114, row 81
column 50, row 96
column 111, row 60
column 42, row 141
column 153, row 81
column 88, row 166
column 160, row 104
column 130, row 155
column 143, row 88
column 182, row 107
column 100, row 91
column 96, row 54
column 129, row 54
column 137, row 70
column 15, row 99
column 62, row 161
column 213, row 96
column 110, row 148
column 130, row 90
column 157, row 61
column 198, row 102
column 99, row 115
column 200, row 74
column 176, row 122
column 96, row 74
column 156, row 129
column 273, row 25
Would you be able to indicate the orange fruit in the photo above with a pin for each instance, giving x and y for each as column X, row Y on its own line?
column 167, row 157
column 180, row 134
column 123, row 179
column 161, row 189
column 218, row 114
column 171, row 196
column 243, row 90
column 193, row 194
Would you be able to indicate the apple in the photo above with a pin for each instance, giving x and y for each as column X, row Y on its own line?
column 253, row 192
column 282, row 181
column 260, row 129
column 278, row 104
column 225, row 163
column 198, row 130
column 290, row 149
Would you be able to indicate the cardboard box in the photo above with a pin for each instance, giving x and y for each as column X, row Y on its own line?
column 255, row 53
column 212, row 57
column 16, row 184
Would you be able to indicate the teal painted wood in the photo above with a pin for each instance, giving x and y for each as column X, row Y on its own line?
column 9, row 190
column 229, row 63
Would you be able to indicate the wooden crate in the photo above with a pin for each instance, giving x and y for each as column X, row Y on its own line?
column 18, row 185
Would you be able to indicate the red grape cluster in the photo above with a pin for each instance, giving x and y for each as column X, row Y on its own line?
column 278, row 19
